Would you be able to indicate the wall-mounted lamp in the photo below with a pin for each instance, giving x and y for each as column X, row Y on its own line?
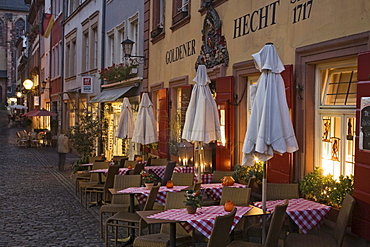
column 28, row 84
column 43, row 86
column 19, row 94
column 127, row 49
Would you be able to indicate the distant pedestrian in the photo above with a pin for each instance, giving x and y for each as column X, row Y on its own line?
column 63, row 149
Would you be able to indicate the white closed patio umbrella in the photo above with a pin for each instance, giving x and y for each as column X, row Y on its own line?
column 126, row 123
column 202, row 123
column 270, row 129
column 125, row 127
column 145, row 130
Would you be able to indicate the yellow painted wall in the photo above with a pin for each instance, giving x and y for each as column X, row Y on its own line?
column 329, row 19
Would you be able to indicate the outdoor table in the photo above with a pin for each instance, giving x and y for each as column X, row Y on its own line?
column 100, row 172
column 141, row 193
column 304, row 213
column 215, row 190
column 206, row 178
column 158, row 170
column 203, row 220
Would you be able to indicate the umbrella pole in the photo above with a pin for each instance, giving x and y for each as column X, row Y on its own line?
column 264, row 185
column 198, row 149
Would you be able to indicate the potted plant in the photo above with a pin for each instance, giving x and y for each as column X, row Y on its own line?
column 193, row 200
column 117, row 72
column 148, row 179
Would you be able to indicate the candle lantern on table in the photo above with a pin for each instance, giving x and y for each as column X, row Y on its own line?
column 185, row 152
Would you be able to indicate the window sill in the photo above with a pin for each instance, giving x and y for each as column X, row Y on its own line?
column 180, row 23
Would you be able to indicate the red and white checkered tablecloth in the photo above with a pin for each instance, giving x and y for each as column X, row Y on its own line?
column 141, row 193
column 203, row 220
column 215, row 190
column 184, row 169
column 306, row 214
column 206, row 178
column 159, row 170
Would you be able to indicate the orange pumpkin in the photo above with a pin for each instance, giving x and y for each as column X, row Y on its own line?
column 169, row 184
column 227, row 181
column 129, row 166
column 139, row 159
column 229, row 206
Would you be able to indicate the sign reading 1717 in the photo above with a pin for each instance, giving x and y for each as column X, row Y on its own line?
column 301, row 11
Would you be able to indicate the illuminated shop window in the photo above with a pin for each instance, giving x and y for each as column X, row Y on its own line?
column 336, row 127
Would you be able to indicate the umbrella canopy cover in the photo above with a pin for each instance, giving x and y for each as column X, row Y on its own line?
column 126, row 123
column 201, row 121
column 270, row 129
column 145, row 130
column 39, row 113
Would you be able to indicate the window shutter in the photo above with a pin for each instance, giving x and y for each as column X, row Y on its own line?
column 163, row 135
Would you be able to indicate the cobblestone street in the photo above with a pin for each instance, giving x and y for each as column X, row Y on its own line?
column 38, row 204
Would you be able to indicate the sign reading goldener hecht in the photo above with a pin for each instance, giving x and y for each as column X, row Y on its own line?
column 87, row 86
column 256, row 20
column 180, row 52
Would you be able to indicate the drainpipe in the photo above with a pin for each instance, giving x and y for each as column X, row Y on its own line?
column 102, row 64
column 61, row 94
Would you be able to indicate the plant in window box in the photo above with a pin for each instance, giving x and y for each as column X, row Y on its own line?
column 117, row 72
column 33, row 33
column 34, row 71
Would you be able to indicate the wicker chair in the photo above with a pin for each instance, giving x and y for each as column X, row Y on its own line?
column 137, row 169
column 94, row 178
column 274, row 191
column 335, row 239
column 103, row 188
column 168, row 172
column 240, row 197
column 131, row 220
column 130, row 162
column 218, row 175
column 173, row 200
column 220, row 235
column 119, row 202
column 272, row 238
column 183, row 179
column 158, row 162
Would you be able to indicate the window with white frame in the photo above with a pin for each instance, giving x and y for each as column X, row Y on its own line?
column 336, row 85
column 74, row 58
column 121, row 38
column 134, row 34
column 85, row 51
column 94, row 48
column 111, row 49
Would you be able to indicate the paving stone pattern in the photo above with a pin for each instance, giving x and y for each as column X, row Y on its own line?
column 38, row 206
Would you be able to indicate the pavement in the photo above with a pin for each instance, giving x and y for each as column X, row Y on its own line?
column 38, row 205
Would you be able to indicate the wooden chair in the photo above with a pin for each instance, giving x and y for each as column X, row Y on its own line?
column 337, row 236
column 183, row 179
column 119, row 202
column 220, row 235
column 272, row 238
column 131, row 220
column 103, row 189
column 218, row 175
column 173, row 200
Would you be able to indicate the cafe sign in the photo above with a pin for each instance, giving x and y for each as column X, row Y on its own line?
column 87, row 85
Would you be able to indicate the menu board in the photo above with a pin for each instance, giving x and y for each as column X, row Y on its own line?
column 364, row 141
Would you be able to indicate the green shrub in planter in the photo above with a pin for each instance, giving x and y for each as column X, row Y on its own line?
column 325, row 189
column 244, row 173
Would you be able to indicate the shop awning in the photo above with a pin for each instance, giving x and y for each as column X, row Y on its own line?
column 109, row 95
